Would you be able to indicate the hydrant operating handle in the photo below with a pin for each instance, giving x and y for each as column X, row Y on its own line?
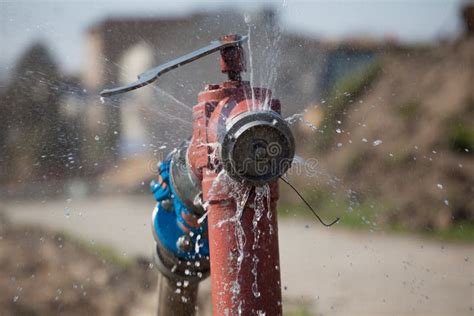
column 151, row 75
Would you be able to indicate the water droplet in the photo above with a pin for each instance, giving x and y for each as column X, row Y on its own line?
column 67, row 212
column 247, row 18
column 377, row 142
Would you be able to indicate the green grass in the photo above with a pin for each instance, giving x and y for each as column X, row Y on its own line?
column 458, row 232
column 297, row 307
column 461, row 137
column 364, row 216
column 353, row 214
column 300, row 311
column 409, row 110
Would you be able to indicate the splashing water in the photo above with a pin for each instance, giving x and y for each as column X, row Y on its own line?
column 299, row 117
column 376, row 142
column 254, row 271
column 318, row 176
column 261, row 192
column 268, row 61
column 203, row 217
column 213, row 158
column 240, row 195
column 172, row 97
column 247, row 20
column 158, row 110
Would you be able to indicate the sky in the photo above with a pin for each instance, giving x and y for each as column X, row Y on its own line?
column 61, row 24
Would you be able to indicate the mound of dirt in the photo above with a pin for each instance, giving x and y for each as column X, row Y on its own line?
column 407, row 141
column 49, row 274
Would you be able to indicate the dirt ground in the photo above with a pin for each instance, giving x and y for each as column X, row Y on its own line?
column 46, row 273
column 407, row 140
column 326, row 271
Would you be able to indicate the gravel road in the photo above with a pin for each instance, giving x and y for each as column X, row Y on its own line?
column 331, row 271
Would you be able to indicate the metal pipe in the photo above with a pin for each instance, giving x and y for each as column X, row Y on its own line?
column 180, row 255
column 174, row 298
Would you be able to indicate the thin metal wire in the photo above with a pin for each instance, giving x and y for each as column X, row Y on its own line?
column 309, row 206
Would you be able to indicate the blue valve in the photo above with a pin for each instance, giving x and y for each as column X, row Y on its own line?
column 175, row 226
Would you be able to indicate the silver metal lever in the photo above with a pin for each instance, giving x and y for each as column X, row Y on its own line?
column 151, row 75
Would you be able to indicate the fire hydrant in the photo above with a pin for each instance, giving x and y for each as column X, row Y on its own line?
column 217, row 193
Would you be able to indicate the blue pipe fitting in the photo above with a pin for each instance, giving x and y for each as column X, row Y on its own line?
column 174, row 225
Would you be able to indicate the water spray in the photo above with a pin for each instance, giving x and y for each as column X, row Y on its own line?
column 217, row 193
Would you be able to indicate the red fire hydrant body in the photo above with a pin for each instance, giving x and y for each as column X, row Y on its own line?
column 245, row 268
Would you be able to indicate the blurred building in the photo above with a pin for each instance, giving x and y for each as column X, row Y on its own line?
column 468, row 16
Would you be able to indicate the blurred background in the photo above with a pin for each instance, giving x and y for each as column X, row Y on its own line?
column 381, row 98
